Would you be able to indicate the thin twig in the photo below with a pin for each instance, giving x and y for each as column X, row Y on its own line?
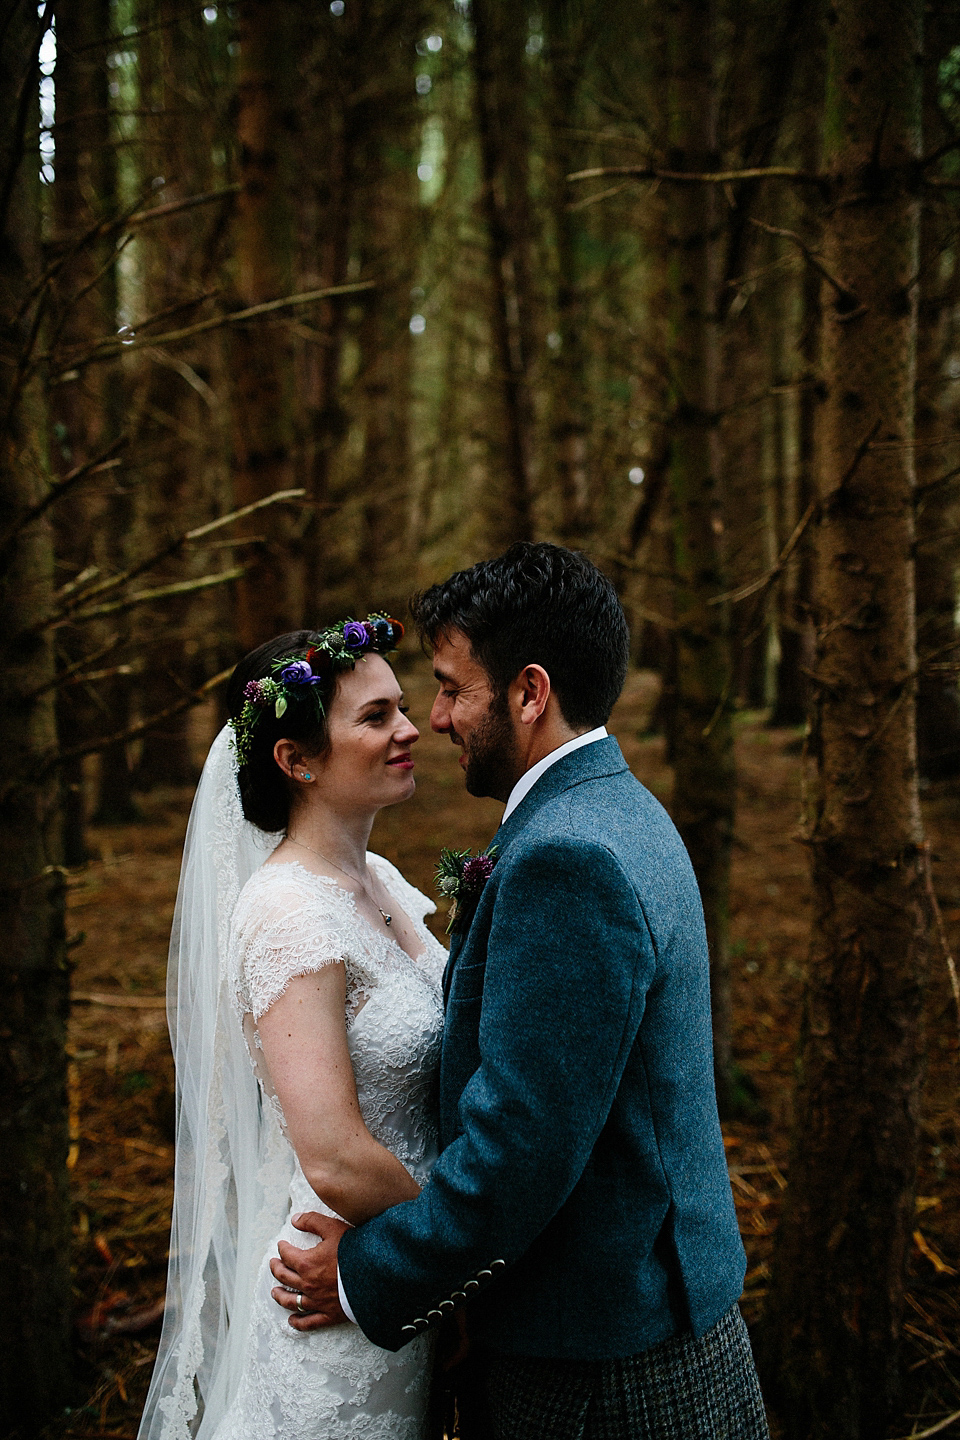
column 141, row 728
column 941, row 931
column 745, row 591
column 143, row 597
column 64, row 677
column 934, row 1429
column 844, row 292
column 171, row 548
column 173, row 207
column 855, row 463
column 607, row 194
column 110, row 346
column 700, row 177
column 95, row 466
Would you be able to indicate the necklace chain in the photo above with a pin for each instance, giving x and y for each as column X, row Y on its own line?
column 387, row 919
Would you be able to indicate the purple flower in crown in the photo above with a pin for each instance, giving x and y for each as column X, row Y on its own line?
column 298, row 673
column 355, row 635
column 253, row 692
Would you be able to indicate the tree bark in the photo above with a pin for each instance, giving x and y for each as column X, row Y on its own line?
column 567, row 25
column 176, row 139
column 35, row 1291
column 704, row 783
column 938, row 697
column 91, row 525
column 836, row 1297
column 499, row 36
column 269, row 598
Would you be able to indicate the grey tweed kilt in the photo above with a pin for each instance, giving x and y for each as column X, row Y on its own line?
column 681, row 1389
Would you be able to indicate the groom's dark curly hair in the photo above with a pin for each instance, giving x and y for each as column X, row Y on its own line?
column 537, row 604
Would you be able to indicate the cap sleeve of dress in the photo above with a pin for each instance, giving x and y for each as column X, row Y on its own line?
column 284, row 926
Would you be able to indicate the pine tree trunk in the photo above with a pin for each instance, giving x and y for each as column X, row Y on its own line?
column 704, row 785
column 499, row 35
column 836, row 1296
column 261, row 352
column 86, row 410
column 938, row 696
column 176, row 138
column 35, row 1291
column 332, row 136
column 570, row 397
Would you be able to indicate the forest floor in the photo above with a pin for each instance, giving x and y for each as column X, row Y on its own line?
column 121, row 1073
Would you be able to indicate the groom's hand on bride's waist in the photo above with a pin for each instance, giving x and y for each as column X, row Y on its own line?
column 307, row 1279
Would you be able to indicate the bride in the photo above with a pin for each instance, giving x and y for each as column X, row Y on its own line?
column 305, row 1015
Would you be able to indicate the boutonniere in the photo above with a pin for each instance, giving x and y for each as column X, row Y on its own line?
column 461, row 878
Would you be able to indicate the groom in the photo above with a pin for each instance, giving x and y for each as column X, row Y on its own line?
column 580, row 1210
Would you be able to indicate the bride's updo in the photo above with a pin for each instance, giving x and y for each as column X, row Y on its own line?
column 282, row 691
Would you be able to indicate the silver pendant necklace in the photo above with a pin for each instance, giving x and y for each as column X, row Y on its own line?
column 387, row 919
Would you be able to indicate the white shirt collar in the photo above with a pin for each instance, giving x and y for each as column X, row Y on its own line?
column 527, row 781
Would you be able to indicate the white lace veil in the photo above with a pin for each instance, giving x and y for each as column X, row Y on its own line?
column 232, row 1169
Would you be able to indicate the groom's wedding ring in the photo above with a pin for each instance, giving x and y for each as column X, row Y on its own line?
column 300, row 1305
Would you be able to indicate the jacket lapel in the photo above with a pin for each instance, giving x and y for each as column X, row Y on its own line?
column 590, row 762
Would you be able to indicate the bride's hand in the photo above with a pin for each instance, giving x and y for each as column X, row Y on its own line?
column 308, row 1278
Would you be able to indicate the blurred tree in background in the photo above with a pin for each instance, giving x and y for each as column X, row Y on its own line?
column 305, row 306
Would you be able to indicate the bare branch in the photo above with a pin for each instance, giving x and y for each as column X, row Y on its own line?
column 134, row 731
column 607, row 194
column 921, row 490
column 844, row 293
column 95, row 466
column 174, row 207
column 143, row 597
column 88, row 676
column 171, row 548
column 765, row 581
column 110, row 346
column 700, row 177
column 63, row 677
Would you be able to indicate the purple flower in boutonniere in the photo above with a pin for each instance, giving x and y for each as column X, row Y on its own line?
column 461, row 878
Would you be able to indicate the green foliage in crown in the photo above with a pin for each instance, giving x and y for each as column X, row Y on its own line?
column 299, row 679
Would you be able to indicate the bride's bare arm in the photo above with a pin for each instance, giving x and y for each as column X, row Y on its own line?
column 304, row 1041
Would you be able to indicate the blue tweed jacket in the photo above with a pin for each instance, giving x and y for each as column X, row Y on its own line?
column 580, row 1206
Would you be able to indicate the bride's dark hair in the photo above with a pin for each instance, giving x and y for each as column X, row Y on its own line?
column 264, row 789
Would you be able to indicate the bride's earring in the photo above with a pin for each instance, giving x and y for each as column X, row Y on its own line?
column 306, row 775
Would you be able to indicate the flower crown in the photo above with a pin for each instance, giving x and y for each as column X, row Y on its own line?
column 297, row 677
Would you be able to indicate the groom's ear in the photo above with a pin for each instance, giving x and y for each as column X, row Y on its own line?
column 533, row 687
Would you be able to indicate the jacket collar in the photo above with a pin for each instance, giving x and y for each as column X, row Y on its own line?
column 590, row 762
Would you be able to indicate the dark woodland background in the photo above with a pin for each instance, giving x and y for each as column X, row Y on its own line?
column 304, row 305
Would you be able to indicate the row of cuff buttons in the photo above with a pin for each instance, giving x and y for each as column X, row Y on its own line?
column 423, row 1322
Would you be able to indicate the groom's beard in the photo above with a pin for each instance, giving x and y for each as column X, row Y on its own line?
column 492, row 765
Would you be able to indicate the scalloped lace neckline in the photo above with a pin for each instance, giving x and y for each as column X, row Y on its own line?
column 329, row 880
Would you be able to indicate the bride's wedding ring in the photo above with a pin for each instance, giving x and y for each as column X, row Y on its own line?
column 300, row 1306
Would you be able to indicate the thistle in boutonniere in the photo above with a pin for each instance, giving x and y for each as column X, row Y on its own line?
column 462, row 876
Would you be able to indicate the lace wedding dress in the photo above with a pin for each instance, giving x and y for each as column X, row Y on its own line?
column 289, row 921
column 229, row 1367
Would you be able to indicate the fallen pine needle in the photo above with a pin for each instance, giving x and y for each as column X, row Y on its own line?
column 926, row 1249
column 934, row 1429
